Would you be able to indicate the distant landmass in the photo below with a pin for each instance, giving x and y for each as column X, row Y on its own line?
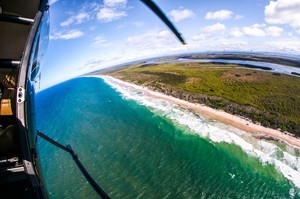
column 264, row 88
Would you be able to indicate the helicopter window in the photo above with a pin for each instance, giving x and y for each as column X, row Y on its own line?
column 39, row 47
column 34, row 59
column 35, row 64
column 217, row 67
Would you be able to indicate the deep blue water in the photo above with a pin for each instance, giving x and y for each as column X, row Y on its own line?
column 134, row 152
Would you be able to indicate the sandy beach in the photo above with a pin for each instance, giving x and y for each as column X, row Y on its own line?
column 219, row 115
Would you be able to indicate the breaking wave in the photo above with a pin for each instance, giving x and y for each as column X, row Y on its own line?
column 284, row 158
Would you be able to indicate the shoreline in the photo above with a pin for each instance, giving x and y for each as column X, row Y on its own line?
column 232, row 120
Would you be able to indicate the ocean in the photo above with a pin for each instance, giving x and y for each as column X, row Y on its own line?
column 135, row 146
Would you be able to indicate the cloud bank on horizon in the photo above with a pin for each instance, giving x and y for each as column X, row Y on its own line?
column 89, row 35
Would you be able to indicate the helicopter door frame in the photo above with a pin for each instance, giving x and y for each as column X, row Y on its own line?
column 24, row 106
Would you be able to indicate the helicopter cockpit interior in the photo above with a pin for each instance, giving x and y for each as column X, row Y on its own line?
column 16, row 22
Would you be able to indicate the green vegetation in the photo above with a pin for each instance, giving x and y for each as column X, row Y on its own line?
column 271, row 99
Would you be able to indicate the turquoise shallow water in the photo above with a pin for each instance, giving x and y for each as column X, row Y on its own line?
column 133, row 152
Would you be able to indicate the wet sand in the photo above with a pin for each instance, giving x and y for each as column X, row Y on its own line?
column 219, row 115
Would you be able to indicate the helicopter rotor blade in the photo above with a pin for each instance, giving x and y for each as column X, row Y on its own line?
column 163, row 17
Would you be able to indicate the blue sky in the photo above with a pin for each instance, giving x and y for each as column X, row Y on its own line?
column 87, row 35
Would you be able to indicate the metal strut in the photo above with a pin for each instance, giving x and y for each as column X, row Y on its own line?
column 68, row 149
column 163, row 17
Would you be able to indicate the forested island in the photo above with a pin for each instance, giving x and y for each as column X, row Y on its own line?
column 270, row 99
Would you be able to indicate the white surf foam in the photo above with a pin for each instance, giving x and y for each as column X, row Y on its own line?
column 284, row 161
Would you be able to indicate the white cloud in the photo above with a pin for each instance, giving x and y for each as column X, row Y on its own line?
column 274, row 31
column 165, row 34
column 284, row 12
column 210, row 31
column 200, row 36
column 285, row 45
column 148, row 44
column 219, row 15
column 114, row 3
column 112, row 10
column 76, row 19
column 262, row 30
column 254, row 30
column 152, row 39
column 236, row 32
column 214, row 28
column 229, row 44
column 71, row 34
column 99, row 40
column 180, row 14
column 107, row 14
column 67, row 22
